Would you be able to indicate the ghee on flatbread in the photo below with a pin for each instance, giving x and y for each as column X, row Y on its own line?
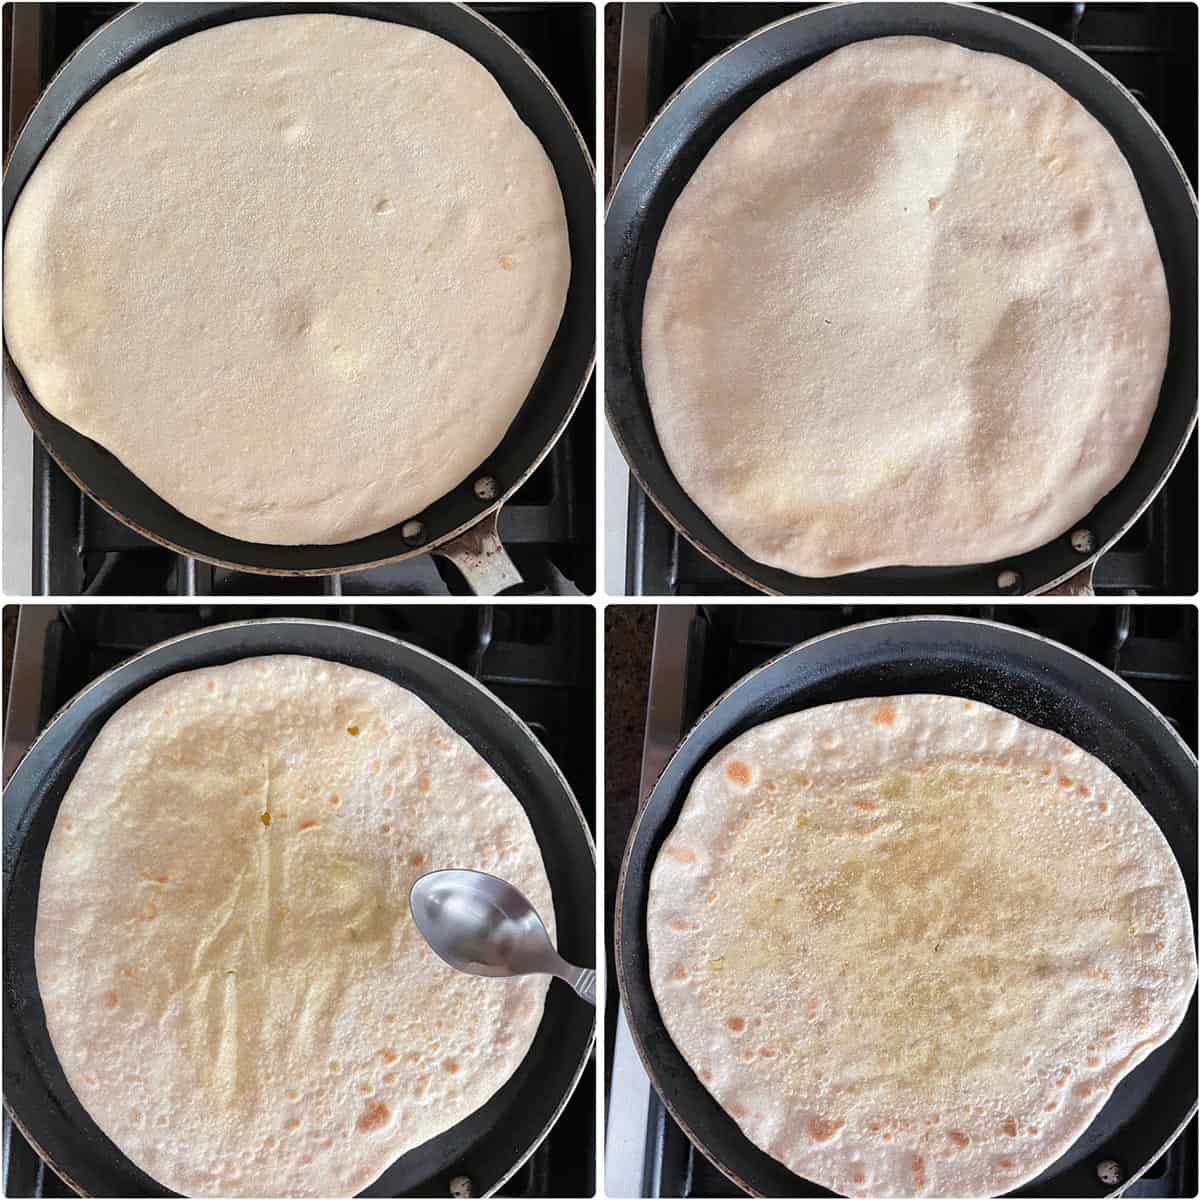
column 912, row 944
column 908, row 309
column 232, row 979
column 298, row 273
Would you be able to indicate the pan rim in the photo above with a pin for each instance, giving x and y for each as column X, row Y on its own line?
column 515, row 718
column 744, row 576
column 30, row 405
column 635, row 830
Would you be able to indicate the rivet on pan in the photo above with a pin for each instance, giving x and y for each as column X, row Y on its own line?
column 1008, row 581
column 413, row 532
column 485, row 487
column 461, row 1186
column 1083, row 541
column 1110, row 1172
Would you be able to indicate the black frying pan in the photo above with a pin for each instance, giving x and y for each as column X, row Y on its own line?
column 145, row 28
column 685, row 130
column 490, row 1144
column 1037, row 680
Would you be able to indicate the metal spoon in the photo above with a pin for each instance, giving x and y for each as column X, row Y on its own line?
column 483, row 926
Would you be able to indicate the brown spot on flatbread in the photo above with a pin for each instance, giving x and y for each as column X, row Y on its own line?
column 374, row 1117
column 885, row 714
column 386, row 829
column 821, row 1129
column 804, row 780
column 1093, row 1061
column 1008, row 1127
column 681, row 854
column 736, row 1110
column 353, row 730
column 679, row 973
column 737, row 772
column 1082, row 1089
column 771, row 787
column 920, row 1174
column 149, row 912
column 390, row 1078
column 416, row 859
column 1047, row 771
column 389, row 1056
column 294, row 1123
column 335, row 800
column 706, row 1076
column 1032, row 1130
column 506, row 262
column 1065, row 781
column 308, row 825
column 1083, row 790
column 680, row 925
column 1050, row 1106
column 866, row 805
column 960, row 1139
column 735, row 1024
column 450, row 1066
column 423, row 783
column 1005, row 1164
column 335, row 1068
column 1103, row 806
column 766, row 1052
column 111, row 1000
column 152, row 878
column 858, row 1178
column 867, row 830
column 934, row 202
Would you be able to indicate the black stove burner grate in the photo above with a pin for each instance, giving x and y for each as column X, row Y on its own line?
column 1153, row 648
column 79, row 549
column 1150, row 48
column 537, row 659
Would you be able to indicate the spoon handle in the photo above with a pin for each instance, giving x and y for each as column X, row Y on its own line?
column 582, row 980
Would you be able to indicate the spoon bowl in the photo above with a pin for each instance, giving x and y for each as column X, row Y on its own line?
column 482, row 925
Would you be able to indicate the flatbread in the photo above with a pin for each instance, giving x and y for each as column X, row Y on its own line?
column 912, row 944
column 297, row 273
column 247, row 1009
column 908, row 310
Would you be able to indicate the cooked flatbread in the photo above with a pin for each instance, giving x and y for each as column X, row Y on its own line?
column 297, row 273
column 909, row 309
column 912, row 944
column 232, row 979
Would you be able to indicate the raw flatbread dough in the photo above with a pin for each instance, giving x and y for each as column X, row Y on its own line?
column 912, row 944
column 248, row 1009
column 298, row 273
column 909, row 309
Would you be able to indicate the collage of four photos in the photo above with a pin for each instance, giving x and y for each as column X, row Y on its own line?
column 600, row 599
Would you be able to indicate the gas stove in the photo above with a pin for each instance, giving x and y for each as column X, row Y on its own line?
column 1151, row 48
column 699, row 652
column 537, row 659
column 59, row 542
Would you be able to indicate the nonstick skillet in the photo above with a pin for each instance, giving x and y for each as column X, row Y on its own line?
column 485, row 1148
column 708, row 103
column 468, row 511
column 1037, row 680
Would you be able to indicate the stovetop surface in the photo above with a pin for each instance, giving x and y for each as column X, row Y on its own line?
column 547, row 525
column 537, row 659
column 1151, row 48
column 1153, row 648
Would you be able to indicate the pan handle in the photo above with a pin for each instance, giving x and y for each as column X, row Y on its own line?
column 480, row 556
